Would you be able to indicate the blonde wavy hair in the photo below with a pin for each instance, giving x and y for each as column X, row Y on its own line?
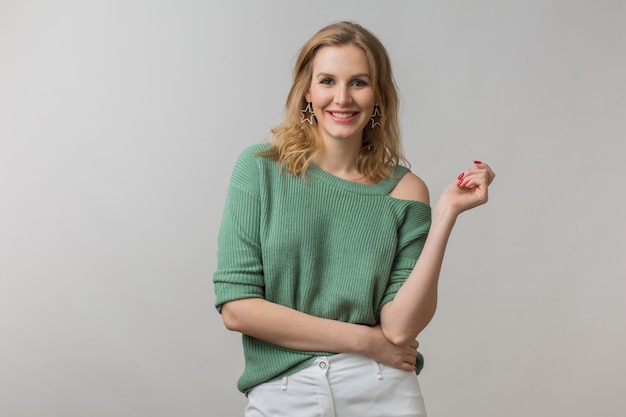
column 295, row 144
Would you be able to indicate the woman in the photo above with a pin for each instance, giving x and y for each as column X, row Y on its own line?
column 329, row 254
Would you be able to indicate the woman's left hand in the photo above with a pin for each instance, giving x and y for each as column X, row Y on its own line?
column 469, row 190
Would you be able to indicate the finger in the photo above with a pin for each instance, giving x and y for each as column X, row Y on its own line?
column 491, row 174
column 468, row 175
column 474, row 177
column 471, row 181
column 478, row 189
column 407, row 367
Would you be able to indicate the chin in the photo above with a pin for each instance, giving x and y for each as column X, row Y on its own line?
column 347, row 136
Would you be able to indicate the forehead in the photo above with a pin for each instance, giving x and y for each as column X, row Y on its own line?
column 341, row 60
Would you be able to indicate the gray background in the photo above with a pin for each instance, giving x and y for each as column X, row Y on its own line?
column 120, row 122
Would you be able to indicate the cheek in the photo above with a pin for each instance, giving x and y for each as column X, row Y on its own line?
column 366, row 101
column 319, row 97
column 319, row 102
column 368, row 110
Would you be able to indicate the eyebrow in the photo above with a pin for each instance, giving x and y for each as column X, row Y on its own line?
column 325, row 74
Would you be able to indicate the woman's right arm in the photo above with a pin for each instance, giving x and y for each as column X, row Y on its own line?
column 295, row 330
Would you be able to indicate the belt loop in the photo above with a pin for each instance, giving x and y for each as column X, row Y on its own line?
column 283, row 386
column 379, row 372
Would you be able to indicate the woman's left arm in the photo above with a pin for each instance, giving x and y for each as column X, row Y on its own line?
column 414, row 305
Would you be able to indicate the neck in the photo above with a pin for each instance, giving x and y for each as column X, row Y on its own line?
column 339, row 159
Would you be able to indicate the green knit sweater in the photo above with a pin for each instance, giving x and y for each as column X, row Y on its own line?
column 324, row 246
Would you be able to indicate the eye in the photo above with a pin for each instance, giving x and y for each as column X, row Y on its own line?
column 326, row 81
column 358, row 83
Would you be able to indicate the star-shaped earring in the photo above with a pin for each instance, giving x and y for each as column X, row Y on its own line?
column 376, row 118
column 307, row 114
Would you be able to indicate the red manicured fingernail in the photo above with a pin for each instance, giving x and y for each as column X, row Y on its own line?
column 458, row 184
column 461, row 176
column 477, row 162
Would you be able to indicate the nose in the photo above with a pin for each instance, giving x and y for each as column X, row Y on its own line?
column 342, row 95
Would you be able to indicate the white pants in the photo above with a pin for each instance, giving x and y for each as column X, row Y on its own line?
column 343, row 385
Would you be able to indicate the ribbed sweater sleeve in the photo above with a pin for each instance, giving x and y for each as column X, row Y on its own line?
column 411, row 238
column 240, row 267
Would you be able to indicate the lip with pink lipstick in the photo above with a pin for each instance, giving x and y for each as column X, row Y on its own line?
column 343, row 116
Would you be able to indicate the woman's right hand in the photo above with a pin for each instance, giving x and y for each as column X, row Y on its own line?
column 382, row 350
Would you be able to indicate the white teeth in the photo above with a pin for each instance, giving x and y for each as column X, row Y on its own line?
column 342, row 115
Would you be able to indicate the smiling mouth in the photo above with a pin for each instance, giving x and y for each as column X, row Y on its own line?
column 342, row 115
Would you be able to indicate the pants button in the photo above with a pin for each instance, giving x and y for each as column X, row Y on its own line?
column 323, row 365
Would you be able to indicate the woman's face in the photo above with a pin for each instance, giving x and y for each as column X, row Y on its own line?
column 341, row 93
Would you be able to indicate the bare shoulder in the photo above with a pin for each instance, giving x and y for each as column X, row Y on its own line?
column 411, row 187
